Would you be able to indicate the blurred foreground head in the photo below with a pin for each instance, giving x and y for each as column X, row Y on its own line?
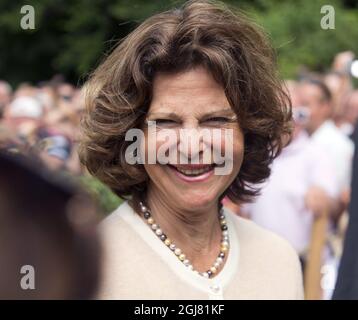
column 49, row 248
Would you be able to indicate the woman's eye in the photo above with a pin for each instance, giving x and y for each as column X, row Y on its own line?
column 218, row 119
column 164, row 122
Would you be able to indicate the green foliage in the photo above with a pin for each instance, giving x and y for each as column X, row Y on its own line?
column 294, row 27
column 71, row 35
column 106, row 199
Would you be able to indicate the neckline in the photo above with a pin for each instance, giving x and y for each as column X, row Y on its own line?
column 221, row 280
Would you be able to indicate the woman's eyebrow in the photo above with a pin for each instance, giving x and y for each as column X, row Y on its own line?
column 168, row 115
column 224, row 112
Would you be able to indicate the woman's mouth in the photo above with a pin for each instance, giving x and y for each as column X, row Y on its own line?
column 193, row 172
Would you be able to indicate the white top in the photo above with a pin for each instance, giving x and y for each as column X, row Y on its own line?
column 339, row 148
column 138, row 265
column 281, row 205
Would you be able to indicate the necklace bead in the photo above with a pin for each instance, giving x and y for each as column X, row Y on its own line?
column 224, row 243
column 224, row 249
column 213, row 270
column 219, row 260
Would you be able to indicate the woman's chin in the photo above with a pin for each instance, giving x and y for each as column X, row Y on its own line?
column 196, row 202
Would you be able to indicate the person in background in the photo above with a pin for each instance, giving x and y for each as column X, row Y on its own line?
column 24, row 115
column 47, row 95
column 44, row 119
column 317, row 99
column 323, row 130
column 350, row 114
column 48, row 224
column 338, row 81
column 25, row 89
column 65, row 91
column 302, row 184
column 54, row 150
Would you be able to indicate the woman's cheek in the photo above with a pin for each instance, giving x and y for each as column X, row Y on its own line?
column 234, row 150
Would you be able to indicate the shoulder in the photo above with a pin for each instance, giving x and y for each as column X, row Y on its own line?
column 252, row 235
column 257, row 243
column 114, row 217
column 118, row 226
column 267, row 260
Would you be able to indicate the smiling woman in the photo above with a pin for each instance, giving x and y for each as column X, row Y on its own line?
column 198, row 68
column 178, row 182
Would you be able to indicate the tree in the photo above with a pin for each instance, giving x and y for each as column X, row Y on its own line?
column 70, row 36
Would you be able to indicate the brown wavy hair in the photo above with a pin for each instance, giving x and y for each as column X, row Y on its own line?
column 231, row 47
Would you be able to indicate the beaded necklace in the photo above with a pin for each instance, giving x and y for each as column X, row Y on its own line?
column 224, row 247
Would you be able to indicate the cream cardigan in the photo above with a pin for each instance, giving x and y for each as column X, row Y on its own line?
column 137, row 265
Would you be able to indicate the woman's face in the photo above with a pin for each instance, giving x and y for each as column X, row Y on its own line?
column 195, row 102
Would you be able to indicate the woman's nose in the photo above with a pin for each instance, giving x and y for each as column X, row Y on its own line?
column 191, row 143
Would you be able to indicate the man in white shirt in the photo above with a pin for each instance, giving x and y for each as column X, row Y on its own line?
column 302, row 183
column 316, row 97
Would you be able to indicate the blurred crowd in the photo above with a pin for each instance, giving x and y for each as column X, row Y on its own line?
column 42, row 120
column 310, row 178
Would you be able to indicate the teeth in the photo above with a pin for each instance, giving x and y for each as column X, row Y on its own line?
column 194, row 172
